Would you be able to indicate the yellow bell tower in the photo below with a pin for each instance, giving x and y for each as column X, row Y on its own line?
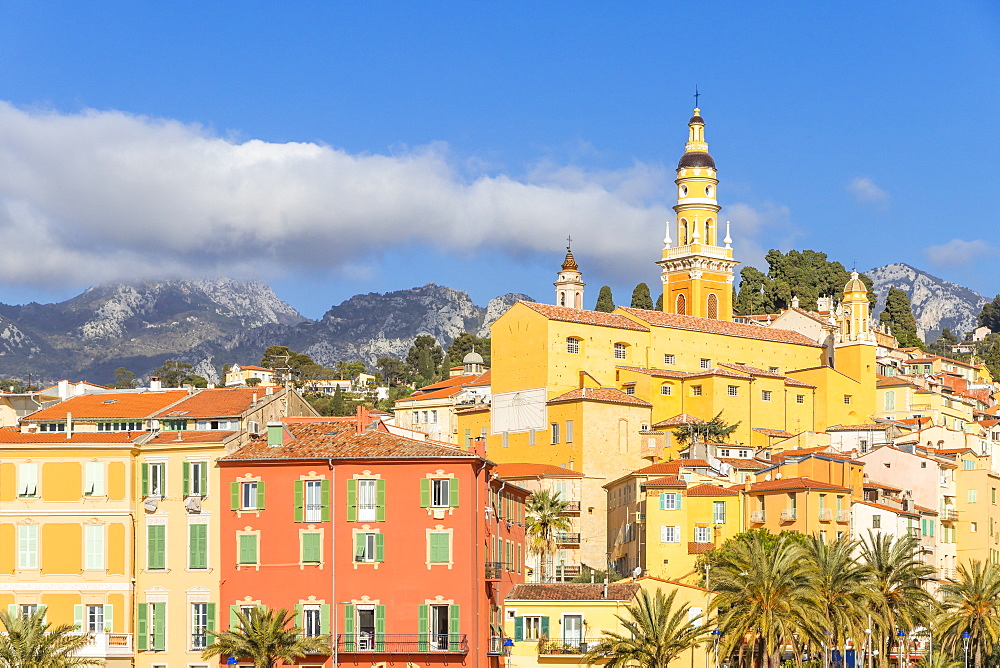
column 697, row 273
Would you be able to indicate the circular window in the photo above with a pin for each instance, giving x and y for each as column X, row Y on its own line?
column 708, row 191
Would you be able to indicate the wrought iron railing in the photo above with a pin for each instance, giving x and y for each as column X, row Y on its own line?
column 843, row 515
column 572, row 507
column 567, row 538
column 788, row 515
column 495, row 569
column 757, row 517
column 395, row 643
column 825, row 514
column 948, row 515
column 573, row 646
column 496, row 646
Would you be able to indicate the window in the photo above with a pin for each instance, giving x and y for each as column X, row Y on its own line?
column 217, row 425
column 248, row 496
column 175, row 425
column 572, row 628
column 370, row 547
column 724, row 452
column 669, row 534
column 666, row 390
column 533, row 628
column 800, row 398
column 719, row 512
column 434, row 416
column 847, row 399
column 993, row 495
column 94, row 622
column 876, row 521
column 890, row 400
column 116, row 426
column 765, row 395
column 968, row 465
column 670, row 501
column 156, row 547
column 439, row 547
column 555, row 433
column 972, row 496
column 27, row 480
column 573, row 346
column 773, row 369
column 733, row 391
column 416, row 417
column 312, row 490
column 441, row 493
column 669, row 359
column 154, row 479
column 368, row 505
column 312, row 551
column 706, row 363
column 55, row 426
column 531, row 437
column 199, row 625
column 630, row 389
column 504, row 440
column 973, row 527
column 27, row 546
column 94, row 538
column 696, row 390
column 702, row 535
column 195, row 481
column 249, row 549
column 743, row 454
column 619, row 351
column 28, row 609
column 569, row 431
column 311, row 625
column 197, row 546
column 93, row 479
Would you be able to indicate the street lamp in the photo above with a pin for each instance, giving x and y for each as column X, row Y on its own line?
column 716, row 636
column 965, row 641
column 868, row 644
column 902, row 639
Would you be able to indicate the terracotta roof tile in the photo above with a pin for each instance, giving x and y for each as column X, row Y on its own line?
column 925, row 510
column 572, row 591
column 656, row 373
column 608, row 395
column 671, row 466
column 882, row 485
column 598, row 318
column 700, row 548
column 13, row 435
column 723, row 327
column 678, row 420
column 251, row 367
column 891, row 509
column 708, row 489
column 871, row 426
column 794, row 483
column 217, row 402
column 122, row 405
column 750, row 464
column 166, row 437
column 668, row 481
column 780, row 433
column 813, row 315
column 524, row 470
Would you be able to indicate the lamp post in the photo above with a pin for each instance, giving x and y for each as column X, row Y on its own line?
column 868, row 643
column 902, row 639
column 965, row 642
column 716, row 636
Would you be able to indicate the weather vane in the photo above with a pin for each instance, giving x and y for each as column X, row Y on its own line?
column 696, row 96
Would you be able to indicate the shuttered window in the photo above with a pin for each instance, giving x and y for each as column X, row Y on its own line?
column 248, row 549
column 440, row 548
column 198, row 546
column 156, row 547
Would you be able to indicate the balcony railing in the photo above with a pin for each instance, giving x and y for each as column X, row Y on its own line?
column 843, row 515
column 914, row 532
column 788, row 515
column 106, row 644
column 567, row 538
column 496, row 646
column 199, row 640
column 394, row 643
column 948, row 515
column 495, row 570
column 825, row 514
column 757, row 517
column 572, row 507
column 577, row 646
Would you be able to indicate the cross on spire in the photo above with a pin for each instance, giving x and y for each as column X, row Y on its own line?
column 569, row 242
column 696, row 96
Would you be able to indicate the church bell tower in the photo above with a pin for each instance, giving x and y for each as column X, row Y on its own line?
column 697, row 273
column 569, row 286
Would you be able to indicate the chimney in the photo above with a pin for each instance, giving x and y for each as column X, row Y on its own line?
column 69, row 426
column 62, row 389
column 275, row 434
column 362, row 418
column 155, row 383
column 268, row 391
column 254, row 401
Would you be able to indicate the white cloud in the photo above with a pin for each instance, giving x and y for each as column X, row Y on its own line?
column 865, row 191
column 960, row 253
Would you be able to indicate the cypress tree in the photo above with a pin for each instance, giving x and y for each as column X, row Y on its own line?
column 605, row 302
column 899, row 316
column 641, row 298
column 659, row 302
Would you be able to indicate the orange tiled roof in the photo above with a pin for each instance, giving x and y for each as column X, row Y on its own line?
column 881, row 485
column 598, row 318
column 251, row 367
column 13, row 435
column 448, row 387
column 668, row 481
column 671, row 466
column 813, row 315
column 794, row 483
column 166, row 437
column 608, row 395
column 750, row 464
column 110, row 405
column 891, row 509
column 340, row 440
column 525, row 470
column 722, row 327
column 216, row 402
column 678, row 420
column 700, row 548
column 573, row 591
column 708, row 489
column 780, row 433
column 925, row 510
column 870, row 426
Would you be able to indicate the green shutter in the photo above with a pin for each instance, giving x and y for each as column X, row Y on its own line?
column 145, row 480
column 299, row 619
column 352, row 500
column 349, row 628
column 12, row 609
column 186, row 481
column 156, row 547
column 204, row 478
column 454, row 622
column 209, row 616
column 380, row 500
column 680, row 500
column 379, row 547
column 453, row 493
column 440, row 548
column 519, row 628
column 198, row 547
column 234, row 496
column 425, row 493
column 663, row 501
column 109, row 616
column 324, row 500
column 310, row 547
column 248, row 549
column 159, row 627
column 260, row 495
column 545, row 626
column 234, row 617
column 324, row 618
column 422, row 619
column 78, row 617
column 299, row 499
column 141, row 630
column 359, row 546
column 379, row 628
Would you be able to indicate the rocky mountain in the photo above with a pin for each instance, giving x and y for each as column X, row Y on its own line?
column 211, row 322
column 936, row 303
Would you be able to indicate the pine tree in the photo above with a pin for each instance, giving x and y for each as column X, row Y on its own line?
column 605, row 302
column 991, row 358
column 990, row 315
column 641, row 298
column 899, row 316
column 659, row 302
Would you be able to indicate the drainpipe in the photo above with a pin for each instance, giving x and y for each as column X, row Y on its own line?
column 479, row 560
column 334, row 607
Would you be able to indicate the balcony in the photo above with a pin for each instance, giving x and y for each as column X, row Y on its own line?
column 757, row 517
column 564, row 573
column 914, row 532
column 495, row 569
column 788, row 515
column 394, row 643
column 572, row 507
column 825, row 515
column 496, row 646
column 107, row 645
column 948, row 515
column 843, row 515
column 575, row 647
column 562, row 538
column 640, row 517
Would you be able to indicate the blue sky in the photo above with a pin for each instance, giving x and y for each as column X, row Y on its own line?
column 336, row 148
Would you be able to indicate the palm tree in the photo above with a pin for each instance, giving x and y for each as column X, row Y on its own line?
column 655, row 634
column 972, row 604
column 765, row 591
column 841, row 584
column 544, row 519
column 31, row 642
column 899, row 601
column 265, row 636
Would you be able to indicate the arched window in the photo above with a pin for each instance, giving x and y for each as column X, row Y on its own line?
column 710, row 232
column 572, row 345
column 620, row 350
column 682, row 237
column 681, row 305
column 562, row 298
column 579, row 300
column 713, row 307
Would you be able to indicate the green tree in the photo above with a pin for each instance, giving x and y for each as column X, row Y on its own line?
column 125, row 379
column 195, row 380
column 899, row 317
column 990, row 315
column 543, row 520
column 173, row 373
column 971, row 604
column 253, row 382
column 655, row 633
column 285, row 362
column 842, row 592
column 265, row 636
column 715, row 430
column 659, row 302
column 465, row 343
column 605, row 302
column 393, row 370
column 991, row 354
column 338, row 404
column 29, row 642
column 750, row 298
column 641, row 298
column 588, row 574
column 424, row 359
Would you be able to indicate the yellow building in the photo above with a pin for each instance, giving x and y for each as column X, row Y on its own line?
column 247, row 374
column 431, row 409
column 553, row 624
column 902, row 397
column 978, row 526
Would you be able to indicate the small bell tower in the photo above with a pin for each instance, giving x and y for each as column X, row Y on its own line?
column 569, row 285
